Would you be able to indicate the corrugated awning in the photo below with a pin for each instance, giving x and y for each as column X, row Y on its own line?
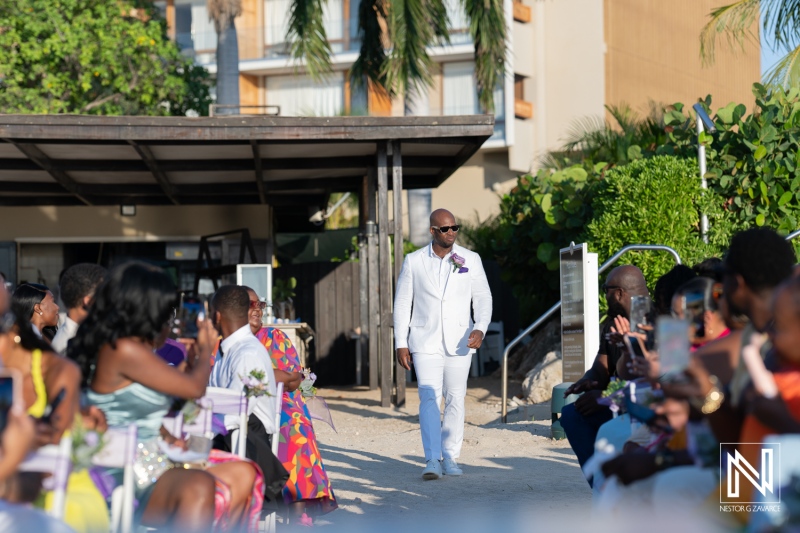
column 281, row 161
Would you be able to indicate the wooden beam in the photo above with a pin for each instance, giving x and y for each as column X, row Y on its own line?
column 363, row 279
column 259, row 171
column 33, row 153
column 397, row 196
column 150, row 161
column 385, row 273
column 374, row 283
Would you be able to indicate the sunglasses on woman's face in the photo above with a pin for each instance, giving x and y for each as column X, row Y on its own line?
column 255, row 304
column 445, row 229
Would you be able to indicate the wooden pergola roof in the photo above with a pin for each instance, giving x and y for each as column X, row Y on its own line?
column 282, row 161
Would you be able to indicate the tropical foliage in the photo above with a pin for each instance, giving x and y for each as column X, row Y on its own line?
column 738, row 22
column 395, row 38
column 649, row 192
column 84, row 56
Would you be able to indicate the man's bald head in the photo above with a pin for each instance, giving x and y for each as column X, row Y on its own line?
column 442, row 217
column 628, row 278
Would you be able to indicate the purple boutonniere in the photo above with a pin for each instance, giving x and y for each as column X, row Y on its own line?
column 458, row 263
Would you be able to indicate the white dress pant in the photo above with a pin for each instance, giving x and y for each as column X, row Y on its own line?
column 438, row 373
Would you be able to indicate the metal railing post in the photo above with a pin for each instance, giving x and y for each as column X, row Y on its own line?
column 547, row 314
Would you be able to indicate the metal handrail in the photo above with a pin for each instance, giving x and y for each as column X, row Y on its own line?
column 547, row 314
column 793, row 235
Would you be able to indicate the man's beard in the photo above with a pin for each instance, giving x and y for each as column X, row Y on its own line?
column 616, row 309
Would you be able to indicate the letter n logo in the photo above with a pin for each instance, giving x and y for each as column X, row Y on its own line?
column 743, row 482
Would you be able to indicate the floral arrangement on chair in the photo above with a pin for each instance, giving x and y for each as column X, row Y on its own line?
column 307, row 387
column 86, row 443
column 192, row 409
column 255, row 384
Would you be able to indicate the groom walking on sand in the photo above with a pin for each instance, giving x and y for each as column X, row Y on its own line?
column 438, row 287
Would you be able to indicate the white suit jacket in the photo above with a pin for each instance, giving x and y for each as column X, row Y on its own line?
column 424, row 315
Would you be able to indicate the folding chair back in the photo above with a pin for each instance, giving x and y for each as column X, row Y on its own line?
column 57, row 461
column 120, row 452
column 230, row 402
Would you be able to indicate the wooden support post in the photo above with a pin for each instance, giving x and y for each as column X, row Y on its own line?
column 385, row 273
column 363, row 278
column 397, row 194
column 372, row 285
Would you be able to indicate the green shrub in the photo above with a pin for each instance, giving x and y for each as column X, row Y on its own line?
column 655, row 201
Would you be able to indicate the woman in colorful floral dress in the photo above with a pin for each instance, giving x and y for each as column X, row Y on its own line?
column 308, row 490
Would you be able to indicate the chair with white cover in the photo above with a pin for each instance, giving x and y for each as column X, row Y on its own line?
column 270, row 523
column 54, row 459
column 119, row 451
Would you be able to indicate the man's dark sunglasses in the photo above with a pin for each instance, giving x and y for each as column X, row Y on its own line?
column 605, row 287
column 445, row 229
column 256, row 304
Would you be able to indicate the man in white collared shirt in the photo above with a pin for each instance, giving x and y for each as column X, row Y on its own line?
column 240, row 352
column 438, row 287
column 77, row 286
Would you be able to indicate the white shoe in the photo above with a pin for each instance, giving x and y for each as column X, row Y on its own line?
column 432, row 471
column 451, row 468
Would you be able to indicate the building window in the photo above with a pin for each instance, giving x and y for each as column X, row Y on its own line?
column 193, row 29
column 302, row 96
column 460, row 95
column 341, row 32
column 459, row 23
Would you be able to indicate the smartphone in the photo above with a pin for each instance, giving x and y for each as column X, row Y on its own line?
column 10, row 394
column 52, row 406
column 187, row 315
column 672, row 339
column 694, row 310
column 634, row 348
column 641, row 313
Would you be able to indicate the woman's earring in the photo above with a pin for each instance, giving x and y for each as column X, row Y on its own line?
column 17, row 339
column 40, row 313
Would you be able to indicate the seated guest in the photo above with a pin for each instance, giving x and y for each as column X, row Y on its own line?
column 666, row 286
column 709, row 268
column 309, row 487
column 131, row 314
column 77, row 286
column 239, row 354
column 36, row 304
column 582, row 419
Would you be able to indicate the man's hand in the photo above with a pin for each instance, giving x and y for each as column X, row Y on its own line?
column 404, row 358
column 620, row 328
column 582, row 385
column 475, row 339
column 587, row 404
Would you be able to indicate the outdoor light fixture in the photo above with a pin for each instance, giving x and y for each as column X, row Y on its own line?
column 703, row 120
column 127, row 210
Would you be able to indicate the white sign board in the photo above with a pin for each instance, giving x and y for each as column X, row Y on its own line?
column 258, row 278
column 580, row 311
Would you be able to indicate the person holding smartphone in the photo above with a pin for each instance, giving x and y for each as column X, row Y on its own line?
column 582, row 420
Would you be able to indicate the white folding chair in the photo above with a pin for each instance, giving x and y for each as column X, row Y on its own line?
column 120, row 452
column 56, row 460
column 270, row 523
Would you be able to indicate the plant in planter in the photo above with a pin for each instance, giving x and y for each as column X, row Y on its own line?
column 283, row 295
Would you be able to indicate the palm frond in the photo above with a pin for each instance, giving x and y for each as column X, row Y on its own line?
column 487, row 25
column 786, row 72
column 307, row 38
column 439, row 20
column 371, row 61
column 580, row 130
column 408, row 65
column 735, row 22
column 781, row 20
column 222, row 11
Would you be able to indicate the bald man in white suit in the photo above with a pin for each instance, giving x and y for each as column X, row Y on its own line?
column 438, row 287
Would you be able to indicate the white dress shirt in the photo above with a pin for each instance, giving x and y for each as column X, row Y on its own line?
column 67, row 331
column 240, row 354
column 439, row 267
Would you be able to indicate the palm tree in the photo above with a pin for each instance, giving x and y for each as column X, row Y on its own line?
column 395, row 37
column 779, row 18
column 223, row 13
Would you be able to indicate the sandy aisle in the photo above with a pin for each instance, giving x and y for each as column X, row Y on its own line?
column 375, row 460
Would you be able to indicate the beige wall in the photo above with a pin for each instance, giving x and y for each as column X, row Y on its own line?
column 150, row 222
column 654, row 55
column 574, row 66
